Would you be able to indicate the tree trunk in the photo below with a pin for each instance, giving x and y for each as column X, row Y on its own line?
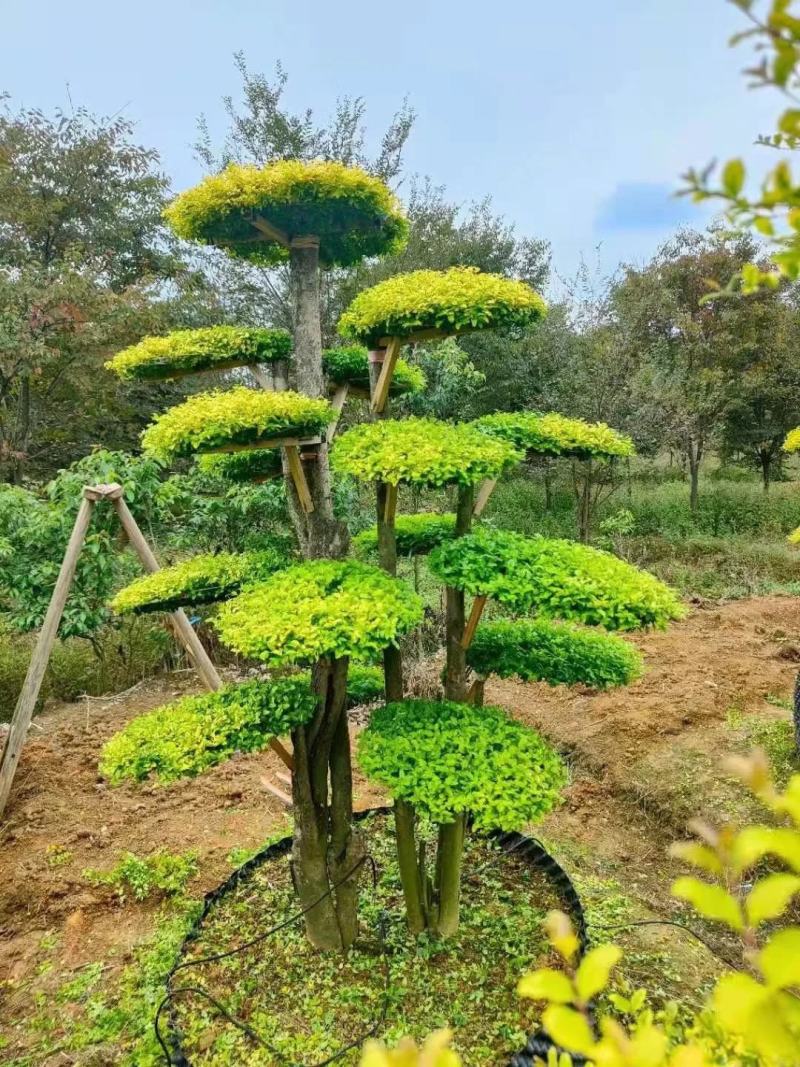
column 796, row 712
column 449, row 857
column 412, row 872
column 387, row 557
column 325, row 850
column 765, row 460
column 455, row 686
column 694, row 455
column 320, row 534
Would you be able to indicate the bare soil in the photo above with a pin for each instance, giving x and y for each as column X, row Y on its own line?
column 645, row 758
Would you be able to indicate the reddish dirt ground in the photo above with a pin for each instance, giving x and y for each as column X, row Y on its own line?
column 62, row 819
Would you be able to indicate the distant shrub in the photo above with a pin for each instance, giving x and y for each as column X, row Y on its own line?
column 350, row 366
column 416, row 534
column 365, row 685
column 543, row 651
column 252, row 465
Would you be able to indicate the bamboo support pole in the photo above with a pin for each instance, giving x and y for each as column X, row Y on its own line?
column 380, row 393
column 26, row 702
column 478, row 604
column 299, row 478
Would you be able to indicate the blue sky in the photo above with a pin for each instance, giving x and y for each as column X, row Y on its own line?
column 577, row 117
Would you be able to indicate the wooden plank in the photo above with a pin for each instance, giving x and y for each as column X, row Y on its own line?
column 269, row 442
column 390, row 505
column 279, row 793
column 485, row 491
column 420, row 335
column 272, row 233
column 381, row 391
column 337, row 403
column 299, row 479
column 26, row 702
column 478, row 604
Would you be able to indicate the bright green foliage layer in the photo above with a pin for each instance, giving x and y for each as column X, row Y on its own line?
column 451, row 301
column 350, row 366
column 540, row 650
column 182, row 739
column 200, row 580
column 239, row 416
column 792, row 442
column 421, row 452
column 254, row 464
column 353, row 214
column 320, row 608
column 185, row 351
column 416, row 534
column 448, row 758
column 556, row 435
column 561, row 579
column 364, row 685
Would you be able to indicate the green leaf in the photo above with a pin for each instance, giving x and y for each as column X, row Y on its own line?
column 710, row 901
column 770, row 898
column 594, row 971
column 733, row 175
column 569, row 1028
column 547, row 984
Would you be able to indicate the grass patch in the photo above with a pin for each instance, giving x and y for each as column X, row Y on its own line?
column 140, row 877
column 307, row 1006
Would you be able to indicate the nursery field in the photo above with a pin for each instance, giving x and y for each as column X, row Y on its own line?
column 82, row 964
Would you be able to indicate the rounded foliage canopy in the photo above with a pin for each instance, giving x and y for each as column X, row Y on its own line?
column 561, row 579
column 186, row 737
column 349, row 365
column 556, row 435
column 191, row 351
column 320, row 608
column 445, row 302
column 236, row 416
column 252, row 465
column 416, row 534
column 447, row 758
column 421, row 452
column 352, row 213
column 540, row 650
column 200, row 580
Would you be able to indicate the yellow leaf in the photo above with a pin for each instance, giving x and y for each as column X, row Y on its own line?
column 735, row 998
column 698, row 855
column 547, row 984
column 779, row 959
column 689, row 1056
column 755, row 842
column 569, row 1029
column 595, row 968
column 561, row 934
column 770, row 897
column 648, row 1047
column 711, row 901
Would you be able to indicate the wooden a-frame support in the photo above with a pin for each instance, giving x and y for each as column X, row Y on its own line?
column 26, row 703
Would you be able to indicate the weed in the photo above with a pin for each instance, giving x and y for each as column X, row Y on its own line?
column 162, row 872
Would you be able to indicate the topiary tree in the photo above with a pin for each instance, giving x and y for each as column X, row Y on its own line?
column 457, row 764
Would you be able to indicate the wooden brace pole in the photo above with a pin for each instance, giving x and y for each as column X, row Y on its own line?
column 485, row 491
column 26, row 703
column 299, row 478
column 478, row 604
column 337, row 403
column 381, row 391
column 264, row 380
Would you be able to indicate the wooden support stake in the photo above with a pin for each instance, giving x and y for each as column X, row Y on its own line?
column 390, row 506
column 337, row 403
column 485, row 491
column 475, row 694
column 279, row 793
column 259, row 446
column 299, row 479
column 478, row 604
column 264, row 380
column 272, row 233
column 381, row 392
column 23, row 711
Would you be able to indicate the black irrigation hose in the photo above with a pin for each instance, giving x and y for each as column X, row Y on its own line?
column 538, row 1044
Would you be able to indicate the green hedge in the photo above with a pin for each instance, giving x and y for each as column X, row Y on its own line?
column 540, row 650
column 421, row 452
column 252, row 465
column 350, row 366
column 556, row 435
column 365, row 685
column 202, row 579
column 416, row 534
column 449, row 301
column 448, row 758
column 561, row 579
column 239, row 416
column 319, row 608
column 183, row 739
column 186, row 351
column 353, row 214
